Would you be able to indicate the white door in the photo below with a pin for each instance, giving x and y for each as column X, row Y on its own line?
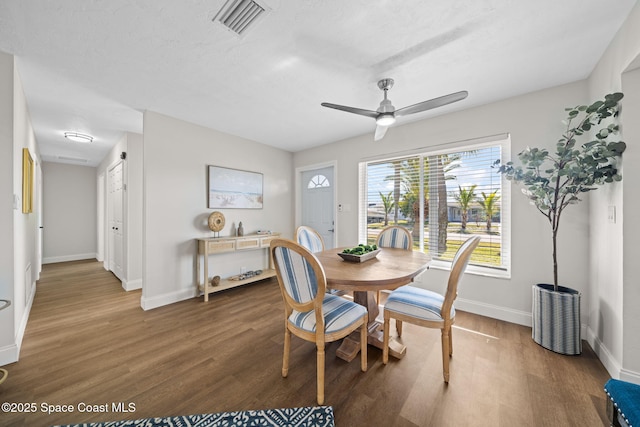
column 317, row 187
column 116, row 223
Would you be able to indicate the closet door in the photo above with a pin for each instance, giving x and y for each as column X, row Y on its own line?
column 116, row 223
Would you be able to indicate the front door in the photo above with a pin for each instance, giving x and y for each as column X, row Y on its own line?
column 317, row 202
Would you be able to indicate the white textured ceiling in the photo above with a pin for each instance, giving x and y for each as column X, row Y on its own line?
column 94, row 66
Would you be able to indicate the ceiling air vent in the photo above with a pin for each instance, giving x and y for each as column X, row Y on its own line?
column 239, row 15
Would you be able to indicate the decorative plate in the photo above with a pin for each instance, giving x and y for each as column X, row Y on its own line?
column 216, row 221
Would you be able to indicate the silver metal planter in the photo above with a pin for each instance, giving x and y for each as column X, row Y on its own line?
column 556, row 319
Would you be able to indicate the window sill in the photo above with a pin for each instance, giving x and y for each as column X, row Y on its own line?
column 476, row 270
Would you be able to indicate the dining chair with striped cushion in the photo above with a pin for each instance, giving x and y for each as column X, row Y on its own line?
column 310, row 312
column 309, row 238
column 429, row 309
column 395, row 236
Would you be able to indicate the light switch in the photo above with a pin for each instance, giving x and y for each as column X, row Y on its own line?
column 611, row 214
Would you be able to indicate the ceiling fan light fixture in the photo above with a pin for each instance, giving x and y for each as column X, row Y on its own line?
column 386, row 113
column 78, row 137
column 385, row 120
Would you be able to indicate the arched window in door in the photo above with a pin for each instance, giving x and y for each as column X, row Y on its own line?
column 318, row 181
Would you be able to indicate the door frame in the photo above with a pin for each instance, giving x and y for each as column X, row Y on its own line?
column 102, row 227
column 298, row 194
column 107, row 218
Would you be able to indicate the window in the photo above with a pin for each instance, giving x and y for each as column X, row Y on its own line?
column 318, row 181
column 443, row 197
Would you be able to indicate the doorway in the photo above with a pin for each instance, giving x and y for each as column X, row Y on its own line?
column 115, row 212
column 317, row 198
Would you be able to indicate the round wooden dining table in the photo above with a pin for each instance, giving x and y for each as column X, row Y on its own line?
column 389, row 270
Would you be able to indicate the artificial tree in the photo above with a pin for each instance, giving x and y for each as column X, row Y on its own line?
column 554, row 181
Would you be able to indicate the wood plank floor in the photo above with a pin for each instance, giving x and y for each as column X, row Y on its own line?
column 89, row 342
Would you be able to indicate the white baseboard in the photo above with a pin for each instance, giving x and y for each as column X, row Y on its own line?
column 494, row 311
column 66, row 258
column 11, row 352
column 630, row 376
column 131, row 285
column 166, row 299
column 610, row 363
column 25, row 317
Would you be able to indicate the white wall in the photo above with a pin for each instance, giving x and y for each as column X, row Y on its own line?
column 613, row 314
column 131, row 144
column 25, row 225
column 631, row 267
column 8, row 349
column 533, row 119
column 176, row 155
column 134, row 210
column 69, row 208
column 19, row 264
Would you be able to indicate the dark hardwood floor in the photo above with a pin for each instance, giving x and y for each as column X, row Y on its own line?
column 88, row 342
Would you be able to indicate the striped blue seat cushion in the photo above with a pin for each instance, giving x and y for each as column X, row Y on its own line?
column 338, row 314
column 309, row 240
column 417, row 302
column 394, row 238
column 298, row 277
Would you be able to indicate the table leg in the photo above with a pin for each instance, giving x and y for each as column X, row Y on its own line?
column 206, row 272
column 350, row 346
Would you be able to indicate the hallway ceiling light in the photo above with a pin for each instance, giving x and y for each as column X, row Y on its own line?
column 78, row 137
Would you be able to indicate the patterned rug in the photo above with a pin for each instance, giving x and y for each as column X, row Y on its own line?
column 318, row 416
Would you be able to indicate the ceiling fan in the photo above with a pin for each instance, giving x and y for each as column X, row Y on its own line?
column 386, row 113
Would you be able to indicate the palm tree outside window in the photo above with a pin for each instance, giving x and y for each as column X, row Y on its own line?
column 441, row 197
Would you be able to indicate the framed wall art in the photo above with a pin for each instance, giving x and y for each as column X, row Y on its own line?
column 233, row 189
column 27, row 181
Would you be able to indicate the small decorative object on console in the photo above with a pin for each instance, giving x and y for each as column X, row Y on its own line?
column 216, row 222
column 247, row 275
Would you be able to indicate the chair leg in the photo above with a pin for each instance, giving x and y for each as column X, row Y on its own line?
column 285, row 355
column 450, row 342
column 399, row 327
column 385, row 339
column 445, row 354
column 320, row 372
column 364, row 335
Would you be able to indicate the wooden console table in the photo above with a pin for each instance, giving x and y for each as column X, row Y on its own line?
column 218, row 245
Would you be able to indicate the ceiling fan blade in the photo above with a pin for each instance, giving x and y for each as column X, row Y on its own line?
column 432, row 103
column 359, row 111
column 380, row 131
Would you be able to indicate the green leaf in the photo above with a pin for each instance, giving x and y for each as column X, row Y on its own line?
column 617, row 96
column 594, row 107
